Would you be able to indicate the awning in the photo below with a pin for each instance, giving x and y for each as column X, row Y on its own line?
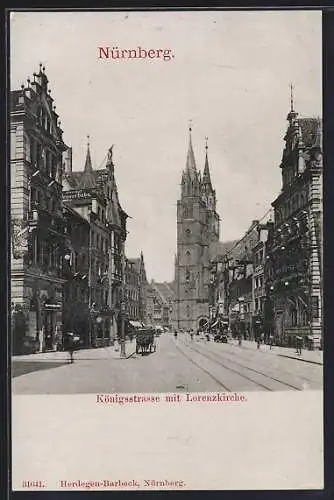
column 136, row 324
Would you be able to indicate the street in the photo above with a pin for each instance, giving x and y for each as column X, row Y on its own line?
column 178, row 365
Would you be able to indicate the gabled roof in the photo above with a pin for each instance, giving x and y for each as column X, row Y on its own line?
column 88, row 178
column 164, row 291
column 68, row 208
column 218, row 249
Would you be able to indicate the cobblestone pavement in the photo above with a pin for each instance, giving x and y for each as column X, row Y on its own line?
column 177, row 365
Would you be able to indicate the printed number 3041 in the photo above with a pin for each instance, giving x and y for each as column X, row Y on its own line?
column 33, row 484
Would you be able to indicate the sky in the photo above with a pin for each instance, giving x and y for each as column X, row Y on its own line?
column 230, row 74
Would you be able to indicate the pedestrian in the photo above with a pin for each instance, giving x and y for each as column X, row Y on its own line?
column 271, row 341
column 41, row 339
column 191, row 334
column 258, row 342
column 175, row 335
column 70, row 346
column 239, row 339
column 299, row 341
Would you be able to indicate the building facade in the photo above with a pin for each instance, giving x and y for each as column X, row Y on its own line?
column 135, row 289
column 93, row 194
column 238, row 292
column 294, row 266
column 37, row 222
column 76, row 315
column 160, row 302
column 197, row 228
column 259, row 290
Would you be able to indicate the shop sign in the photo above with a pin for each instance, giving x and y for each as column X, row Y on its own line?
column 52, row 306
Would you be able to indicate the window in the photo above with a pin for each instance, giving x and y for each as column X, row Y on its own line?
column 53, row 172
column 32, row 151
column 315, row 306
column 293, row 317
column 38, row 155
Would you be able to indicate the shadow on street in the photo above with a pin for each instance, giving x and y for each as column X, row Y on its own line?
column 23, row 367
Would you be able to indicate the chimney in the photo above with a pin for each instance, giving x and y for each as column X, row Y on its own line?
column 68, row 161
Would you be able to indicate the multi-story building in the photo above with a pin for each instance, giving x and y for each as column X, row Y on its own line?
column 259, row 291
column 219, row 282
column 93, row 194
column 76, row 315
column 37, row 223
column 197, row 228
column 160, row 300
column 239, row 288
column 132, row 290
column 294, row 266
column 135, row 289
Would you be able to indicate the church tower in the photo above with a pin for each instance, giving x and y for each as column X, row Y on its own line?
column 197, row 227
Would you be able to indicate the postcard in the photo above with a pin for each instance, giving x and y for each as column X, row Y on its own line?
column 166, row 250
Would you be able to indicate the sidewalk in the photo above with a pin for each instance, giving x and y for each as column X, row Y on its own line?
column 315, row 357
column 110, row 352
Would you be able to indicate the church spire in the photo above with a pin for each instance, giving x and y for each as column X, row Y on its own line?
column 292, row 113
column 87, row 180
column 88, row 162
column 191, row 164
column 206, row 173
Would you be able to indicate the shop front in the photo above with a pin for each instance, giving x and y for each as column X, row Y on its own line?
column 101, row 327
column 51, row 316
column 257, row 326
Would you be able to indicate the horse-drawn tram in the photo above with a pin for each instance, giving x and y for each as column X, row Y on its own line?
column 145, row 341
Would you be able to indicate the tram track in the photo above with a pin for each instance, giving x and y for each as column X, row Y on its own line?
column 219, row 382
column 218, row 360
column 236, row 354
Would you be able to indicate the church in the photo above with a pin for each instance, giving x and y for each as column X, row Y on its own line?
column 197, row 235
